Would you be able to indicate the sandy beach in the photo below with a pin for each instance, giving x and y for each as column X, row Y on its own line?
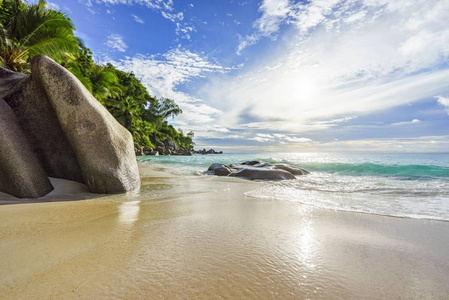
column 199, row 237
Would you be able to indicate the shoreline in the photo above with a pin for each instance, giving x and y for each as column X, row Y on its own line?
column 196, row 237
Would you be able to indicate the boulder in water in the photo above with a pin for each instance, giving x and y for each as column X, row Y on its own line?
column 256, row 170
column 220, row 169
column 263, row 174
column 291, row 169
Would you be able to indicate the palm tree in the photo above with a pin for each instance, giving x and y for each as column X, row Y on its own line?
column 125, row 110
column 165, row 108
column 104, row 83
column 26, row 31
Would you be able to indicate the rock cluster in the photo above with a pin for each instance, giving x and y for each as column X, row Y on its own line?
column 51, row 126
column 210, row 151
column 255, row 170
column 166, row 147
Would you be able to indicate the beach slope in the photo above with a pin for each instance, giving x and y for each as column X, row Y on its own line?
column 201, row 237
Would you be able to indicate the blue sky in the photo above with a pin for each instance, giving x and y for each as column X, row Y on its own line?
column 284, row 75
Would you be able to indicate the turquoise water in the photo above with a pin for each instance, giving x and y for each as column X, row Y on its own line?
column 401, row 185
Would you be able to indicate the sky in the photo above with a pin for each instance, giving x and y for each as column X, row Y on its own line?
column 285, row 75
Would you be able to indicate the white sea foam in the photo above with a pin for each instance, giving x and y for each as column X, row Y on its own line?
column 390, row 196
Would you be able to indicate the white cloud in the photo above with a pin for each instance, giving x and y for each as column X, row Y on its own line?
column 115, row 42
column 137, row 19
column 414, row 121
column 164, row 7
column 345, row 58
column 417, row 144
column 298, row 140
column 332, row 123
column 265, row 135
column 53, row 6
column 219, row 129
column 274, row 12
column 154, row 4
column 163, row 74
column 443, row 101
column 260, row 139
column 173, row 17
column 279, row 136
column 281, row 139
column 88, row 3
column 184, row 30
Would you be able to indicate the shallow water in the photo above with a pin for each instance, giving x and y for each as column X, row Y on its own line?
column 401, row 185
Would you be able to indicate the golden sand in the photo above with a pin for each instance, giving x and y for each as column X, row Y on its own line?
column 200, row 237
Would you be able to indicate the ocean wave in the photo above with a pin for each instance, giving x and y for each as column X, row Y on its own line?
column 370, row 169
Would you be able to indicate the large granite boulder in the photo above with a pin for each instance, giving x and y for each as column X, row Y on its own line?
column 21, row 173
column 147, row 150
column 255, row 170
column 68, row 131
column 103, row 148
column 41, row 126
column 169, row 144
column 160, row 150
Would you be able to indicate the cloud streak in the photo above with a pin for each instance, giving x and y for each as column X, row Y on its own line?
column 115, row 42
column 274, row 13
column 444, row 101
column 137, row 19
column 164, row 7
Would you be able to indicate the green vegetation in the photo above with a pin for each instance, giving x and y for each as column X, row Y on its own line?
column 27, row 30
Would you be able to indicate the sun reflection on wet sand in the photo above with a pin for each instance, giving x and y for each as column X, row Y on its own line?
column 307, row 245
column 129, row 212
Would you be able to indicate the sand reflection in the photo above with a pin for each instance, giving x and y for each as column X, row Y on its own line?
column 307, row 245
column 129, row 212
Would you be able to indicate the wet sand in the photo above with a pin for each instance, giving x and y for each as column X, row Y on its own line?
column 200, row 237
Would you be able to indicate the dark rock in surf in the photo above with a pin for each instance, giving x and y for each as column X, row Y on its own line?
column 291, row 169
column 251, row 163
column 263, row 174
column 221, row 170
column 255, row 170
